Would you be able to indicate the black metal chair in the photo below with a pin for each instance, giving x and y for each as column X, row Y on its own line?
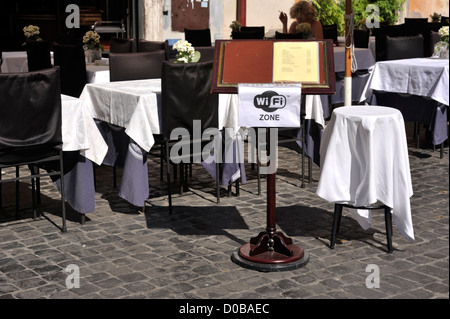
column 38, row 55
column 198, row 37
column 186, row 97
column 71, row 60
column 30, row 128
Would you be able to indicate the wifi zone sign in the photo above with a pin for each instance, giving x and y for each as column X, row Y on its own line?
column 269, row 106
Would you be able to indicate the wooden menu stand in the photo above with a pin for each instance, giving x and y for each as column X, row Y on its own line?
column 250, row 61
column 270, row 250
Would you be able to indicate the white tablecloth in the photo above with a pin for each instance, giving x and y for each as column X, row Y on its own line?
column 129, row 104
column 15, row 61
column 364, row 159
column 79, row 131
column 420, row 76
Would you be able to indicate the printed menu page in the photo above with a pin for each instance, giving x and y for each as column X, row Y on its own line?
column 295, row 61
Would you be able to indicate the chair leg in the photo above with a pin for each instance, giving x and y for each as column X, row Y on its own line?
column 63, row 197
column 1, row 203
column 114, row 176
column 388, row 221
column 33, row 192
column 17, row 194
column 168, row 176
column 217, row 182
column 336, row 223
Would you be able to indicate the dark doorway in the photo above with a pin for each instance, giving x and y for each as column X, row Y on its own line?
column 50, row 16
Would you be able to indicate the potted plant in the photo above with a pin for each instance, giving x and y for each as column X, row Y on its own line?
column 92, row 47
column 389, row 11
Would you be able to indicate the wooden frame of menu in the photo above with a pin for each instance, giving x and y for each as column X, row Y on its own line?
column 310, row 62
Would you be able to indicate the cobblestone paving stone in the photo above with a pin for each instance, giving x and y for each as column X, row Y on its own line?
column 124, row 251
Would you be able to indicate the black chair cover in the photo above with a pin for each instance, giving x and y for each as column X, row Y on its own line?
column 330, row 32
column 246, row 35
column 71, row 60
column 279, row 35
column 404, row 47
column 30, row 114
column 207, row 53
column 198, row 38
column 136, row 66
column 119, row 45
column 151, row 46
column 38, row 54
column 186, row 96
column 361, row 38
column 259, row 30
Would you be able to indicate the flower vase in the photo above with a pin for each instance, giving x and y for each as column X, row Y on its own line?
column 441, row 50
column 92, row 55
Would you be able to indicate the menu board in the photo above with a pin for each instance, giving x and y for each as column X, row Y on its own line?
column 274, row 61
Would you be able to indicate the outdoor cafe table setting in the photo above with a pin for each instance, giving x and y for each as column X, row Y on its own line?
column 364, row 160
column 128, row 114
column 417, row 77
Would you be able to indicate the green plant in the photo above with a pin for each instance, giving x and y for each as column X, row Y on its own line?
column 330, row 12
column 388, row 10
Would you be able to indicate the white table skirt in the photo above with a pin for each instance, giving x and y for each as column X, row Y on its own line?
column 427, row 77
column 364, row 159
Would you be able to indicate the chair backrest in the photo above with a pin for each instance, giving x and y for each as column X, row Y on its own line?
column 402, row 30
column 246, row 35
column 136, row 66
column 198, row 37
column 186, row 96
column 207, row 53
column 38, row 55
column 151, row 46
column 119, row 45
column 71, row 60
column 330, row 32
column 404, row 47
column 361, row 38
column 261, row 30
column 30, row 114
column 415, row 20
column 279, row 35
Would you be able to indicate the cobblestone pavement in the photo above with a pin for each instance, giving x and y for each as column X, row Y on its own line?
column 124, row 251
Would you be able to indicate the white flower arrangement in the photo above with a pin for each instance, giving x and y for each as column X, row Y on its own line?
column 91, row 41
column 441, row 48
column 443, row 33
column 186, row 52
column 32, row 32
